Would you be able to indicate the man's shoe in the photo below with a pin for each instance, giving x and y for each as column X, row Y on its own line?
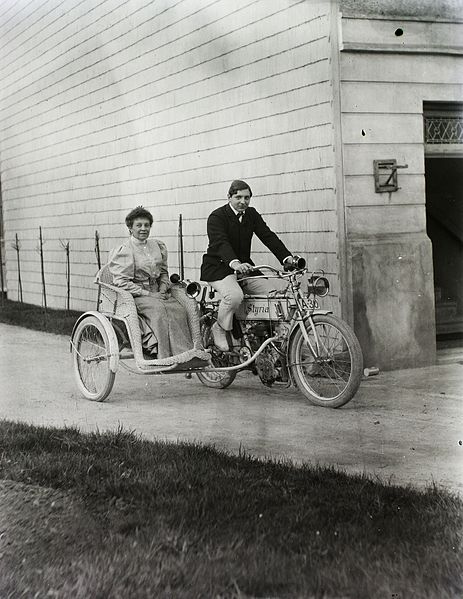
column 220, row 337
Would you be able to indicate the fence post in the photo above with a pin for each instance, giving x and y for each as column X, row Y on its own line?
column 2, row 282
column 98, row 261
column 180, row 248
column 2, row 240
column 65, row 246
column 17, row 246
column 44, row 291
column 97, row 249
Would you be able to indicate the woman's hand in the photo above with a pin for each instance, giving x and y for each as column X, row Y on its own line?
column 163, row 295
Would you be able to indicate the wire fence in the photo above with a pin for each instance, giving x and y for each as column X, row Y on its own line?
column 66, row 246
column 67, row 253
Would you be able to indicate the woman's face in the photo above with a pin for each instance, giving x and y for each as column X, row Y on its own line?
column 141, row 229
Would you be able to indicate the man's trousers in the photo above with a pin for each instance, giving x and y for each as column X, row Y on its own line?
column 232, row 293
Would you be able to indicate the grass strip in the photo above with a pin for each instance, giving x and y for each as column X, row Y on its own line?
column 139, row 519
column 59, row 322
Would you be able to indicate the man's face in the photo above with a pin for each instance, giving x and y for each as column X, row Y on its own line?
column 240, row 200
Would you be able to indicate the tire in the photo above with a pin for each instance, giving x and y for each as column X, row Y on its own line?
column 216, row 380
column 332, row 378
column 94, row 378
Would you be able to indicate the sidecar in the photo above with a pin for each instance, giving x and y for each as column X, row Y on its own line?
column 110, row 336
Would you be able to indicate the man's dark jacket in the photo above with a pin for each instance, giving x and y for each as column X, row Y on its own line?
column 231, row 240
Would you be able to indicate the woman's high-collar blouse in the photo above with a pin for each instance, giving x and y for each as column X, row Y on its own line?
column 139, row 266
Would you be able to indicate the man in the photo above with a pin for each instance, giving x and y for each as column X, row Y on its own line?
column 228, row 257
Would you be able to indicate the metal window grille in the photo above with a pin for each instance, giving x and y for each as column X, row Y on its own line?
column 443, row 129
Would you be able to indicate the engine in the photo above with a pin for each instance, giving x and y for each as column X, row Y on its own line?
column 257, row 332
column 270, row 365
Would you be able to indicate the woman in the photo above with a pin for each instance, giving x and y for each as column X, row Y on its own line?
column 140, row 266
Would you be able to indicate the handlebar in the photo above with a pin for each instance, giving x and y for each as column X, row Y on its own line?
column 272, row 269
column 317, row 283
column 266, row 266
column 295, row 263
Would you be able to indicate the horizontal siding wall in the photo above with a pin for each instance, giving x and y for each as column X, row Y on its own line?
column 382, row 95
column 109, row 105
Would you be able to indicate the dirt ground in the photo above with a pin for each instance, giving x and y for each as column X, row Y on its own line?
column 404, row 426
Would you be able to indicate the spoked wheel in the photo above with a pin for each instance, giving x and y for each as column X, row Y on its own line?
column 90, row 353
column 217, row 380
column 332, row 377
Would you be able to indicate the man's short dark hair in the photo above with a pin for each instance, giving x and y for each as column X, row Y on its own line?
column 238, row 185
column 138, row 212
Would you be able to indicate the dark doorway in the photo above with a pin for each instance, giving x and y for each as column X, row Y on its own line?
column 444, row 212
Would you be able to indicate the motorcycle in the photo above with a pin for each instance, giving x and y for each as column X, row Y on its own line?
column 284, row 338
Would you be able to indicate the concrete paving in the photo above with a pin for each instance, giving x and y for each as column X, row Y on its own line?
column 403, row 426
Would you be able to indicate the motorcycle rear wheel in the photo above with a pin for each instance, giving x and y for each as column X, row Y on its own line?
column 216, row 380
column 332, row 378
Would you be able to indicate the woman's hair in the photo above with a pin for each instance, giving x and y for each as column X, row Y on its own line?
column 138, row 212
column 237, row 185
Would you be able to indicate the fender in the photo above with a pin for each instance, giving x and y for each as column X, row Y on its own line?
column 113, row 344
column 296, row 324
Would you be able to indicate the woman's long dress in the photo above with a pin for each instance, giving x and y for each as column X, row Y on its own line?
column 141, row 266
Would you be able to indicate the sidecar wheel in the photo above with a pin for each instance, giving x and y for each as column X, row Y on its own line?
column 216, row 380
column 332, row 378
column 90, row 352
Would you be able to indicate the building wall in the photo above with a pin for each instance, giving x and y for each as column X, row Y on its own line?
column 388, row 68
column 428, row 9
column 110, row 105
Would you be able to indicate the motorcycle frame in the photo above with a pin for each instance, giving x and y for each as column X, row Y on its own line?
column 300, row 316
column 305, row 314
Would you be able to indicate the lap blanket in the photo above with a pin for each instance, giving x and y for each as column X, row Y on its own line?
column 173, row 326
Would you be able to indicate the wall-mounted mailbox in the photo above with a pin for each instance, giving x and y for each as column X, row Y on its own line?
column 385, row 172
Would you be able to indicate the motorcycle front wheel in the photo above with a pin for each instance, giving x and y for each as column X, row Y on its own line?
column 332, row 376
column 216, row 380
